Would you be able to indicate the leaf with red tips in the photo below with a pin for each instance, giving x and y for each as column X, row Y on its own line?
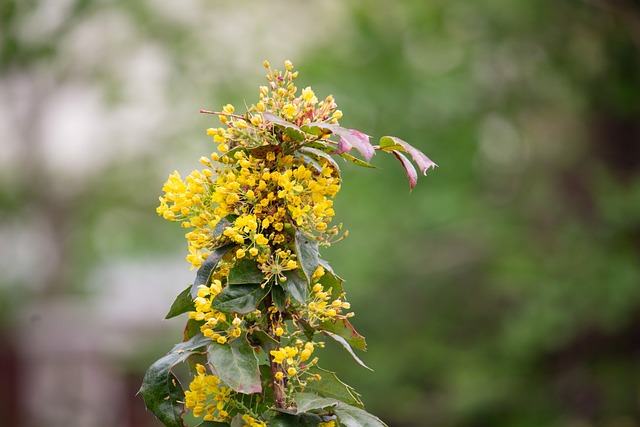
column 349, row 138
column 408, row 167
column 392, row 143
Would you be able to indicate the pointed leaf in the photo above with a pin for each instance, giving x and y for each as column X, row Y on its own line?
column 423, row 162
column 347, row 347
column 349, row 137
column 307, row 253
column 350, row 416
column 296, row 285
column 330, row 386
column 345, row 329
column 357, row 161
column 204, row 272
column 306, row 402
column 291, row 129
column 161, row 390
column 409, row 169
column 240, row 299
column 245, row 271
column 236, row 365
column 182, row 304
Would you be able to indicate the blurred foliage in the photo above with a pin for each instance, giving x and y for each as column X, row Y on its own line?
column 505, row 291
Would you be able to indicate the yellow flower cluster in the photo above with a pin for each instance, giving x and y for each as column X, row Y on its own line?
column 260, row 195
column 320, row 307
column 207, row 396
column 250, row 421
column 294, row 357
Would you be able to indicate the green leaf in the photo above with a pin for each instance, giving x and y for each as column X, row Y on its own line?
column 331, row 280
column 223, row 224
column 262, row 339
column 320, row 155
column 306, row 402
column 296, row 285
column 357, row 161
column 161, row 390
column 240, row 299
column 213, row 424
column 307, row 253
column 343, row 328
column 279, row 297
column 349, row 138
column 294, row 132
column 347, row 347
column 299, row 420
column 350, row 416
column 192, row 328
column 236, row 364
column 423, row 162
column 245, row 271
column 204, row 272
column 182, row 304
column 330, row 386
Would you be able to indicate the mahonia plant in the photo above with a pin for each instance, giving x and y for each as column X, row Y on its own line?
column 262, row 296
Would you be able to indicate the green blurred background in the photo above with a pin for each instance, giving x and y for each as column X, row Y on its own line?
column 504, row 291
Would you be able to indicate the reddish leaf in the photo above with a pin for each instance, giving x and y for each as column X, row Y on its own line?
column 349, row 138
column 423, row 162
column 408, row 167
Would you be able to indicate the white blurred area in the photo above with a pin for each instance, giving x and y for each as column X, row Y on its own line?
column 110, row 92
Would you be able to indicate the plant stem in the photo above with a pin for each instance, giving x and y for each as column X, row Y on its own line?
column 279, row 396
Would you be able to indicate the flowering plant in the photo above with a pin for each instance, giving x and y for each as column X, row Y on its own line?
column 257, row 214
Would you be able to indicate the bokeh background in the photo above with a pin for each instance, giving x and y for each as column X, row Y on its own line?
column 504, row 291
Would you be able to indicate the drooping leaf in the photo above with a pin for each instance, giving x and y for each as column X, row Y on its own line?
column 236, row 365
column 320, row 155
column 347, row 347
column 299, row 420
column 350, row 416
column 356, row 161
column 307, row 402
column 423, row 162
column 344, row 329
column 296, row 285
column 245, row 271
column 349, row 137
column 408, row 167
column 330, row 386
column 204, row 272
column 307, row 253
column 182, row 304
column 161, row 390
column 240, row 299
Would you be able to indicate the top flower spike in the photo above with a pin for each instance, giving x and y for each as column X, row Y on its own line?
column 301, row 123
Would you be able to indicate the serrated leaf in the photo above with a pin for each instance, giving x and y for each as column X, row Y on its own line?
column 409, row 169
column 182, row 304
column 240, row 299
column 350, row 416
column 299, row 420
column 306, row 402
column 348, row 138
column 347, row 347
column 357, row 161
column 204, row 272
column 423, row 162
column 295, row 285
column 344, row 329
column 161, row 389
column 307, row 253
column 245, row 271
column 236, row 365
column 330, row 386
